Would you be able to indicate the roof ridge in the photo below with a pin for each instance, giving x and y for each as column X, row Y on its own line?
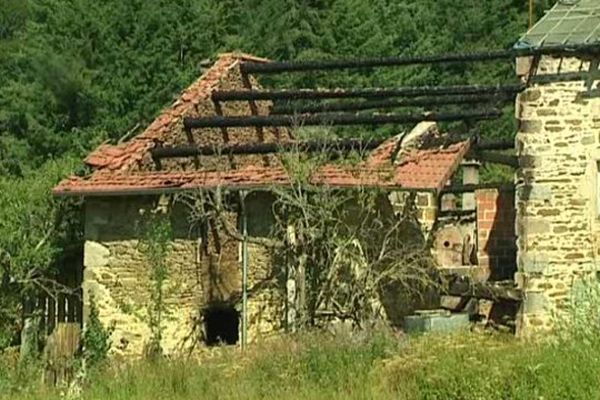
column 124, row 155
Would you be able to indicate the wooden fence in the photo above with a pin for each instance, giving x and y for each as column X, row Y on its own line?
column 62, row 308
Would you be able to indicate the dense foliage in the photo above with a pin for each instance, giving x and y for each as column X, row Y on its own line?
column 74, row 73
column 34, row 231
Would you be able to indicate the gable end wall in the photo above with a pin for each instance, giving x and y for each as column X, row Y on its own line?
column 557, row 224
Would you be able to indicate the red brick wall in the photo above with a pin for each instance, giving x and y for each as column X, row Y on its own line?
column 496, row 239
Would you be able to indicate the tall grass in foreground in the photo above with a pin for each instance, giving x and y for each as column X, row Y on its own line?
column 317, row 365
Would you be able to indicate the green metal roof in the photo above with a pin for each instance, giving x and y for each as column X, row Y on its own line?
column 569, row 22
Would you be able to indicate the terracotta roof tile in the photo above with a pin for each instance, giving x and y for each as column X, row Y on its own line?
column 418, row 170
column 384, row 154
column 118, row 168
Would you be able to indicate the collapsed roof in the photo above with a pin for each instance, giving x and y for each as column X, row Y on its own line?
column 129, row 168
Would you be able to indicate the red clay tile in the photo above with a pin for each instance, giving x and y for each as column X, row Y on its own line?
column 420, row 170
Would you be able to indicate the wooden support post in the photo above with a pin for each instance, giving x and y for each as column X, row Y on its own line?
column 296, row 287
column 301, row 288
column 291, row 292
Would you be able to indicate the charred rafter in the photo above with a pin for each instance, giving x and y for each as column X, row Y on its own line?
column 336, row 119
column 370, row 93
column 497, row 158
column 330, row 146
column 313, row 146
column 501, row 55
column 397, row 103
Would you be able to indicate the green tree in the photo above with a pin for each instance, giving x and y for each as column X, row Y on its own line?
column 34, row 228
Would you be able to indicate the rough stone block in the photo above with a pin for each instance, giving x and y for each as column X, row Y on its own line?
column 587, row 140
column 528, row 161
column 436, row 321
column 533, row 226
column 530, row 126
column 523, row 66
column 520, row 279
column 530, row 262
column 546, row 112
column 530, row 95
column 535, row 303
column 549, row 212
column 95, row 255
column 454, row 303
column 534, row 192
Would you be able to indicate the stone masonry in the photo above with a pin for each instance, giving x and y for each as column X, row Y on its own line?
column 118, row 276
column 558, row 225
column 204, row 269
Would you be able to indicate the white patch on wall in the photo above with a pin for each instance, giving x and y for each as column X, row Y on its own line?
column 95, row 255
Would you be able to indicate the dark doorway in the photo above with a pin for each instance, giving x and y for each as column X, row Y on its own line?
column 221, row 324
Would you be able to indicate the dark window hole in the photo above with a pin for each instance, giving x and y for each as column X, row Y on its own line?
column 221, row 325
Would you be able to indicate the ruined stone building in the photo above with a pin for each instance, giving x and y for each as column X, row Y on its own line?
column 554, row 207
column 558, row 144
column 205, row 277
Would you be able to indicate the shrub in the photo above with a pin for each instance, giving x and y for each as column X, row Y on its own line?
column 96, row 337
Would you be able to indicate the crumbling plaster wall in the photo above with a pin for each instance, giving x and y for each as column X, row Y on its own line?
column 557, row 224
column 117, row 274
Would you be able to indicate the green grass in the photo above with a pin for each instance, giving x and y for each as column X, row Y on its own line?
column 378, row 366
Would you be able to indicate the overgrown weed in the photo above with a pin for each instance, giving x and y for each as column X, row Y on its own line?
column 371, row 365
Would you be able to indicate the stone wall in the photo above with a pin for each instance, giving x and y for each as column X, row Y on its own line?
column 496, row 242
column 427, row 210
column 117, row 274
column 557, row 222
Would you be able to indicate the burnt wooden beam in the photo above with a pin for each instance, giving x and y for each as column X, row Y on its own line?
column 497, row 158
column 370, row 105
column 316, row 65
column 336, row 119
column 334, row 146
column 371, row 93
column 458, row 189
column 501, row 144
column 481, row 56
column 338, row 145
column 503, row 290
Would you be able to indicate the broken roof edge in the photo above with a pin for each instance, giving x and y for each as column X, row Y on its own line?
column 423, row 170
column 245, row 57
column 123, row 155
column 250, row 187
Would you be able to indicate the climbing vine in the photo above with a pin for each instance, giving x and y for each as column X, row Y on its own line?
column 155, row 245
column 96, row 337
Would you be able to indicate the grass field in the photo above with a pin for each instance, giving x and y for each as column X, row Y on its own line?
column 564, row 364
column 374, row 366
